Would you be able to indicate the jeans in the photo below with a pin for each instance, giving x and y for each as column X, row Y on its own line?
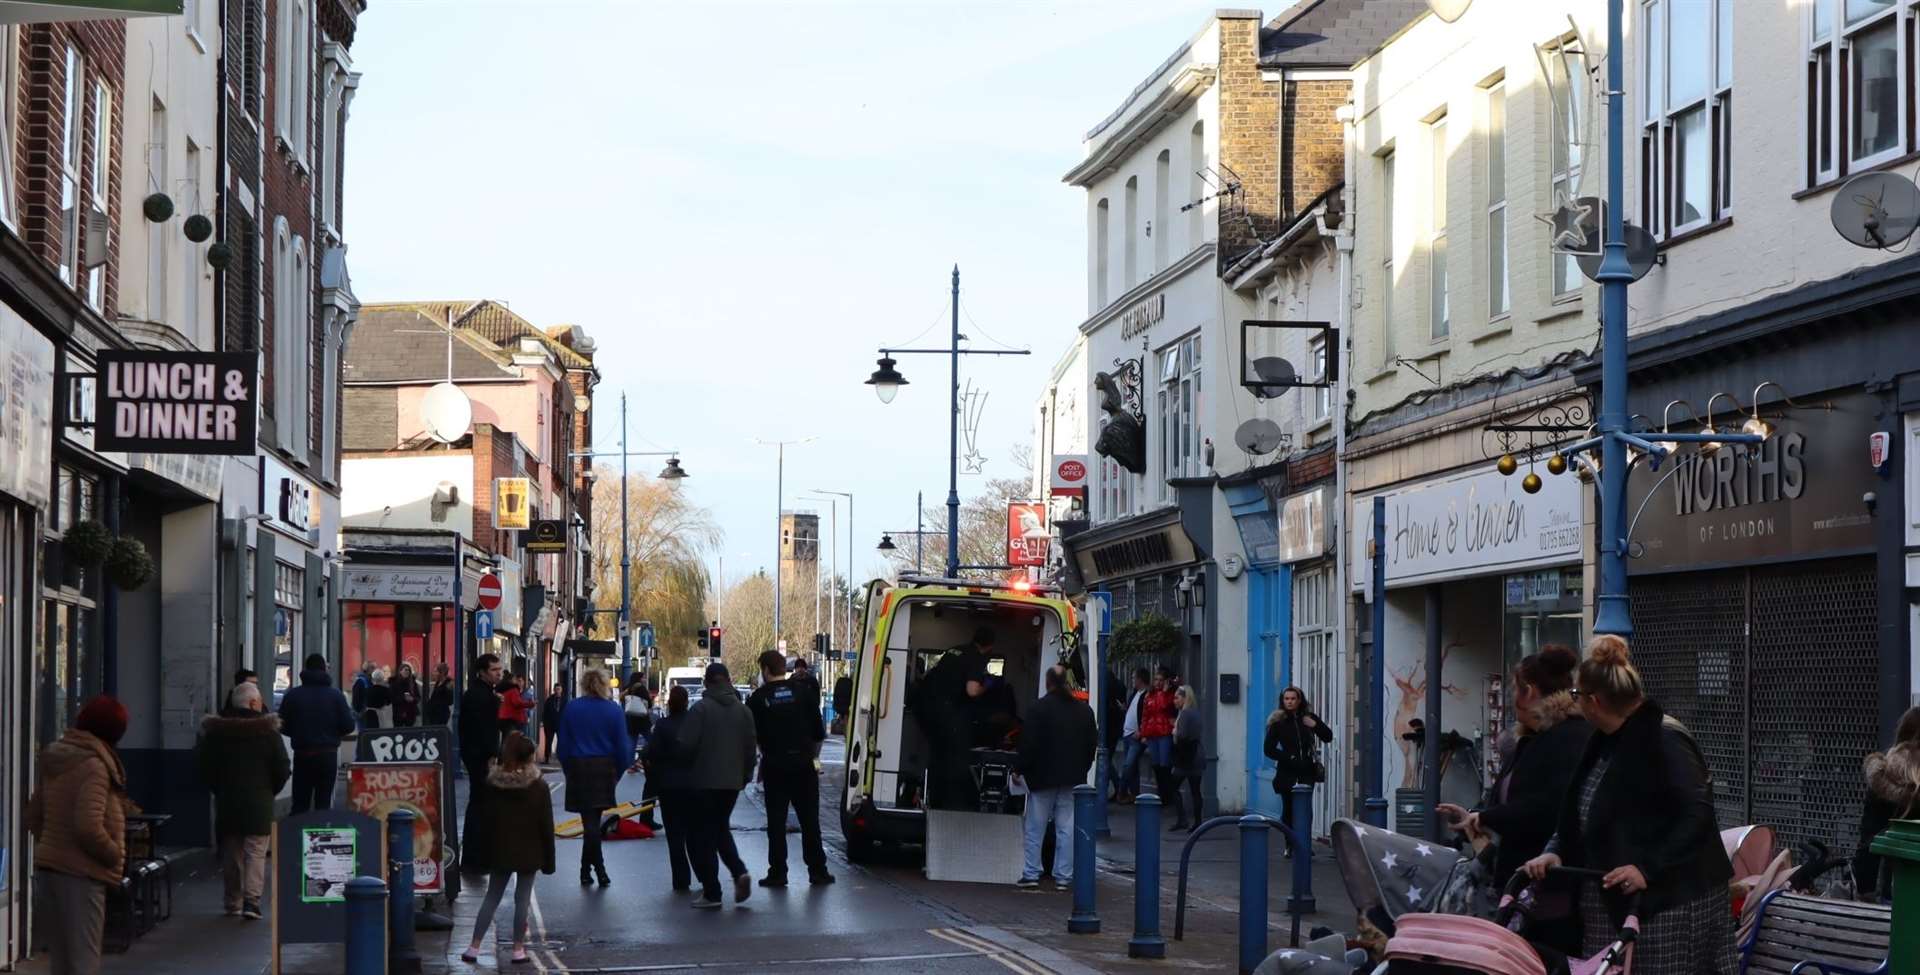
column 1130, row 766
column 798, row 788
column 243, row 867
column 1057, row 805
column 522, row 901
column 676, row 817
column 314, row 773
column 74, row 920
column 712, row 840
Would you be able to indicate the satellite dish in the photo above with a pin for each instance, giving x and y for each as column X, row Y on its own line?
column 1877, row 210
column 446, row 412
column 1449, row 10
column 1642, row 250
column 1577, row 225
column 1259, row 436
column 1272, row 376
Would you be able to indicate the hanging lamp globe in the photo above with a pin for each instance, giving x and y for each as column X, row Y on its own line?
column 158, row 207
column 886, row 544
column 198, row 228
column 1507, row 464
column 886, row 380
column 1531, row 483
column 673, row 471
column 1556, row 464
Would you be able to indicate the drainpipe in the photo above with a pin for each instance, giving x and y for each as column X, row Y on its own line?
column 1342, row 506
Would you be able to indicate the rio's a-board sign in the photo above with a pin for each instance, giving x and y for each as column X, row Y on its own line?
column 175, row 402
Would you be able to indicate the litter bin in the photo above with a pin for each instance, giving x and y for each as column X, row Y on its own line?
column 1411, row 815
column 1900, row 844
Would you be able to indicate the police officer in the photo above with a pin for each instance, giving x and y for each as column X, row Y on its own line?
column 786, row 719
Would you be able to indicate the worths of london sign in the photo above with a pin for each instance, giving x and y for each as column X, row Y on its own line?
column 175, row 402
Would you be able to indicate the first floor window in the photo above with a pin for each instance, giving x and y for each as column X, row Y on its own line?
column 288, row 602
column 1860, row 85
column 1687, row 113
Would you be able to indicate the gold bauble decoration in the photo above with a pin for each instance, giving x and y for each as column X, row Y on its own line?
column 1531, row 483
column 1556, row 464
column 1507, row 464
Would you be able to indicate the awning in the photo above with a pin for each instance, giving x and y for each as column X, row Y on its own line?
column 48, row 11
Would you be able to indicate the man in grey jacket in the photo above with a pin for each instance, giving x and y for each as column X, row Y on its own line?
column 719, row 737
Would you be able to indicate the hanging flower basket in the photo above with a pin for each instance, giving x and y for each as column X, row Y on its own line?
column 86, row 543
column 1150, row 637
column 128, row 564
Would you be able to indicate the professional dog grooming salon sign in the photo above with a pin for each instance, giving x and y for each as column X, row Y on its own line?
column 175, row 402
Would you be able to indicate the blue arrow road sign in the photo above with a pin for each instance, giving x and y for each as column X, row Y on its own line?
column 646, row 635
column 1100, row 605
column 483, row 624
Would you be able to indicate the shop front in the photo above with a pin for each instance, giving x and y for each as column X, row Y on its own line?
column 401, row 601
column 1478, row 573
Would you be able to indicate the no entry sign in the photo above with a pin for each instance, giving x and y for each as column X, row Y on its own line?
column 489, row 591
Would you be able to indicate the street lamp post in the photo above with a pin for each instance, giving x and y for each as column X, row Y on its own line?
column 849, row 496
column 779, row 514
column 919, row 535
column 886, row 381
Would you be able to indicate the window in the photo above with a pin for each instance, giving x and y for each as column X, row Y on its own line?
column 9, row 87
column 1687, row 114
column 1178, row 404
column 157, row 236
column 190, row 268
column 1159, row 229
column 1102, row 246
column 300, row 317
column 68, row 666
column 1568, row 84
column 1196, row 185
column 288, row 601
column 1437, row 240
column 1860, row 89
column 1387, row 282
column 1323, row 395
column 1499, row 300
column 284, row 379
column 302, row 120
column 1115, row 497
column 70, row 168
column 99, row 183
column 1132, row 232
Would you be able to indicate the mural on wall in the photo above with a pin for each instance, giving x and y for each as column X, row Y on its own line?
column 1411, row 684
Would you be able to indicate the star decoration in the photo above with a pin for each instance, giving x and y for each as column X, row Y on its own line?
column 1414, row 894
column 1424, row 850
column 1390, row 861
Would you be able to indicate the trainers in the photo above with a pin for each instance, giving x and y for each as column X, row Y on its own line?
column 772, row 881
column 1028, row 883
column 742, row 888
column 705, row 903
column 250, row 910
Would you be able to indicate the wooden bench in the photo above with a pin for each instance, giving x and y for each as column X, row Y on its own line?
column 1802, row 935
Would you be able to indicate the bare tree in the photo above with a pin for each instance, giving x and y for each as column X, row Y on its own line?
column 668, row 537
column 983, row 523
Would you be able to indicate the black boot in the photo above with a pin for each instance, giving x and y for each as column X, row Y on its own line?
column 600, row 871
column 586, row 874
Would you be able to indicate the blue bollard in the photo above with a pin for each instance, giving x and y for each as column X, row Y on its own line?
column 1083, row 920
column 1102, row 777
column 401, row 953
column 1146, row 941
column 1375, row 814
column 366, row 926
column 1301, row 901
column 1253, row 892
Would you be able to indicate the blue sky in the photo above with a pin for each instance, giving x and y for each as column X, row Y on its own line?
column 741, row 201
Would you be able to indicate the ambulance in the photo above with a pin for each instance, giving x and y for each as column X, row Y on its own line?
column 910, row 625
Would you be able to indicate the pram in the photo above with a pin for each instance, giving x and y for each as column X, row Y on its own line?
column 1426, row 897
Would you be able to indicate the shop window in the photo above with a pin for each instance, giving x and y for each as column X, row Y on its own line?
column 288, row 602
column 1317, row 672
column 420, row 635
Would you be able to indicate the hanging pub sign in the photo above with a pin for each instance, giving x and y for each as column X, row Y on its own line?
column 175, row 402
column 511, row 508
column 1027, row 535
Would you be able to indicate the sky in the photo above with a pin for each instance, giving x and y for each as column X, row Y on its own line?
column 741, row 202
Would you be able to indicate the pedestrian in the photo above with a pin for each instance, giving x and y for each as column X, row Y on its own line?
column 842, row 699
column 314, row 717
column 639, row 711
column 1893, row 792
column 241, row 676
column 362, row 686
column 380, row 697
column 550, row 710
column 787, row 724
column 1641, row 810
column 1189, row 760
column 519, row 841
column 1157, row 713
column 405, row 688
column 78, row 817
column 666, row 764
column 1528, row 791
column 479, row 739
column 800, row 673
column 594, row 751
column 439, row 707
column 1056, row 750
column 1292, row 731
column 515, row 704
column 244, row 765
column 1136, row 749
column 718, row 737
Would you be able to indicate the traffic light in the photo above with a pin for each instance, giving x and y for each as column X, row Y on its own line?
column 819, row 643
column 713, row 640
column 703, row 638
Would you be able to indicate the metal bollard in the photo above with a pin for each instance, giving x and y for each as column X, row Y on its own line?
column 1253, row 892
column 402, row 955
column 1301, row 900
column 1375, row 813
column 366, row 926
column 1083, row 920
column 1102, row 777
column 1146, row 941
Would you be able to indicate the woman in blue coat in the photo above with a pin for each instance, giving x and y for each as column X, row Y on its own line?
column 594, row 751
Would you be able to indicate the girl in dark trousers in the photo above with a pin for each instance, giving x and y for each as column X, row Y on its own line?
column 519, row 840
column 550, row 717
column 666, row 770
column 1291, row 732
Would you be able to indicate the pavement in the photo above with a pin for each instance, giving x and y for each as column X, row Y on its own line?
column 884, row 914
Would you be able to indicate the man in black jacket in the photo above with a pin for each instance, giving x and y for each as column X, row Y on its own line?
column 314, row 717
column 1056, row 750
column 479, row 721
column 786, row 721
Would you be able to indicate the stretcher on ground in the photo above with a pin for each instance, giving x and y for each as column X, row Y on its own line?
column 571, row 829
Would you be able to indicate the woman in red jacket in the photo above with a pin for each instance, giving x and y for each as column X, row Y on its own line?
column 1156, row 729
column 516, row 704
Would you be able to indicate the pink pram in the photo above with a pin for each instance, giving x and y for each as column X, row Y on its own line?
column 1446, row 944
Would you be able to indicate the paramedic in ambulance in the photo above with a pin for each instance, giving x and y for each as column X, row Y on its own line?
column 948, row 698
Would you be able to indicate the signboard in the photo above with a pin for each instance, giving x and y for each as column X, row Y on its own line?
column 1027, row 535
column 426, row 743
column 1304, row 526
column 313, row 856
column 290, row 501
column 512, row 507
column 376, row 790
column 398, row 585
column 1796, row 495
column 1069, row 476
column 646, row 635
column 548, row 535
column 175, row 402
column 488, row 591
column 483, row 625
column 1471, row 524
column 326, row 864
column 26, row 410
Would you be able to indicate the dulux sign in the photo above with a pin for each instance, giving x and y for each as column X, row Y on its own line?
column 1473, row 524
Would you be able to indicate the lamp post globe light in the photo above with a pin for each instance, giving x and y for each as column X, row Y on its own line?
column 886, row 380
column 886, row 543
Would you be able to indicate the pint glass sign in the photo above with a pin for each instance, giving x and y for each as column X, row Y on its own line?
column 175, row 402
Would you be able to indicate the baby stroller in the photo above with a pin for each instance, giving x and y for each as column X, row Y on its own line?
column 1426, row 898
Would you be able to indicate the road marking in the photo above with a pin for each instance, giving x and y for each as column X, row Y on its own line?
column 779, row 963
column 981, row 946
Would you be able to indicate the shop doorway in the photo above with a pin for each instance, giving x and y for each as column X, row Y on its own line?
column 1318, row 668
column 1774, row 670
column 16, row 629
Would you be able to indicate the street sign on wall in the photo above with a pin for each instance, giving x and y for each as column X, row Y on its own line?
column 175, row 402
column 1027, row 535
column 487, row 593
column 1069, row 475
column 483, row 625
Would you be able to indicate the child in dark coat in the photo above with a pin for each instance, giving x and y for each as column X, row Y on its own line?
column 519, row 840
